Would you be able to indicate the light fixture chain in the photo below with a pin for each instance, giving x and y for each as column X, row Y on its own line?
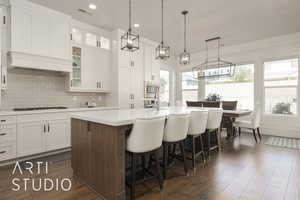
column 130, row 15
column 162, row 21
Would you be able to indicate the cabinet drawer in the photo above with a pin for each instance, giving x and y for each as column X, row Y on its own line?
column 7, row 132
column 7, row 151
column 8, row 120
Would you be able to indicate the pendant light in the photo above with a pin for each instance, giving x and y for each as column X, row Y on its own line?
column 185, row 57
column 130, row 40
column 162, row 51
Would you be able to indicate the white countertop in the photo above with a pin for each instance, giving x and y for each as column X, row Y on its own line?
column 11, row 112
column 128, row 116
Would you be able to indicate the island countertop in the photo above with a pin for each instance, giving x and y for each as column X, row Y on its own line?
column 128, row 116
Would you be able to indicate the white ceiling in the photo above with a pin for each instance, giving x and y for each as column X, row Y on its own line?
column 236, row 21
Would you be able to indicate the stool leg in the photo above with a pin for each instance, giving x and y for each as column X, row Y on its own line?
column 165, row 159
column 254, row 135
column 258, row 132
column 202, row 148
column 159, row 177
column 183, row 157
column 208, row 141
column 193, row 152
column 133, row 171
column 240, row 131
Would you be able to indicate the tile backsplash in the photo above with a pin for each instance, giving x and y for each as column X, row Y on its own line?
column 30, row 88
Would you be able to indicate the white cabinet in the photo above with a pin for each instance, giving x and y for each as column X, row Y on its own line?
column 42, row 132
column 7, row 137
column 57, row 135
column 131, row 84
column 152, row 66
column 39, row 37
column 30, row 138
column 91, row 63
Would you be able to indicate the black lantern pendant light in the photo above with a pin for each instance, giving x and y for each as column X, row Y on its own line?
column 185, row 57
column 162, row 51
column 130, row 40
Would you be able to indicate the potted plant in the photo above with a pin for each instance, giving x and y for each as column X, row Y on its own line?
column 213, row 97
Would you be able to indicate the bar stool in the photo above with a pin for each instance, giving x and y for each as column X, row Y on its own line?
column 175, row 133
column 145, row 138
column 212, row 127
column 197, row 127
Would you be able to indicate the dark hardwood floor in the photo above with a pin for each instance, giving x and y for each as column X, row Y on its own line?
column 242, row 170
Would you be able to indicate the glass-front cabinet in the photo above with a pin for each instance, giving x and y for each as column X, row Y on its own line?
column 77, row 67
column 91, row 57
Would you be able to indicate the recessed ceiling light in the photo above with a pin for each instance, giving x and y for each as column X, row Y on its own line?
column 92, row 6
column 136, row 25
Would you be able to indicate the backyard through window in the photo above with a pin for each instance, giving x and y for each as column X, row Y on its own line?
column 281, row 82
column 189, row 87
column 239, row 87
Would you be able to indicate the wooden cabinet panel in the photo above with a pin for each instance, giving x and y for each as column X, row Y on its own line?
column 101, row 166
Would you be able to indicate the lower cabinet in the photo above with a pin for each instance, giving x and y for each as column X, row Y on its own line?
column 30, row 138
column 41, row 133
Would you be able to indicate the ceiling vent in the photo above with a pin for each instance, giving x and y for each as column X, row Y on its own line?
column 84, row 11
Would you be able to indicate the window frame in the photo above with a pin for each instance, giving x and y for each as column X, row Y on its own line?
column 296, row 115
column 182, row 90
column 163, row 69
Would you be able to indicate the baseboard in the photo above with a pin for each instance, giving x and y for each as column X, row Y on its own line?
column 13, row 161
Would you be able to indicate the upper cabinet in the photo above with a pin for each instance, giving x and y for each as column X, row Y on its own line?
column 152, row 66
column 91, row 59
column 39, row 37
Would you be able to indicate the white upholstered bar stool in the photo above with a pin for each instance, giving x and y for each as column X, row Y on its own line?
column 252, row 123
column 213, row 127
column 175, row 133
column 145, row 138
column 197, row 127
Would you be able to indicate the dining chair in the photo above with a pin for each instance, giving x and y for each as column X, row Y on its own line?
column 211, row 104
column 194, row 104
column 175, row 133
column 144, row 139
column 229, row 105
column 213, row 127
column 197, row 127
column 252, row 123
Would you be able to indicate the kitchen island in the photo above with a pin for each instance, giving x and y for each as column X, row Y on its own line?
column 99, row 146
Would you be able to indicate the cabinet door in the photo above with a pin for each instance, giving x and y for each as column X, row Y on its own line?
column 148, row 60
column 60, row 37
column 104, row 69
column 40, row 34
column 30, row 138
column 91, row 62
column 125, row 87
column 57, row 135
column 124, row 58
column 21, row 30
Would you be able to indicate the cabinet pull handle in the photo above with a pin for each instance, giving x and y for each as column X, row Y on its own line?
column 71, row 83
column 3, row 120
column 4, row 79
column 44, row 128
column 4, row 20
column 88, row 127
column 48, row 128
column 3, row 134
column 71, row 36
column 100, row 84
column 2, row 152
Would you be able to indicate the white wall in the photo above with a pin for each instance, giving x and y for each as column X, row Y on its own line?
column 257, row 52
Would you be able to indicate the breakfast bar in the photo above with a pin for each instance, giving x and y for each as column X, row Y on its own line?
column 99, row 146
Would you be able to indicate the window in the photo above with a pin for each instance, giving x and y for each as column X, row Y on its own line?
column 280, row 85
column 239, row 87
column 164, row 93
column 189, row 87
